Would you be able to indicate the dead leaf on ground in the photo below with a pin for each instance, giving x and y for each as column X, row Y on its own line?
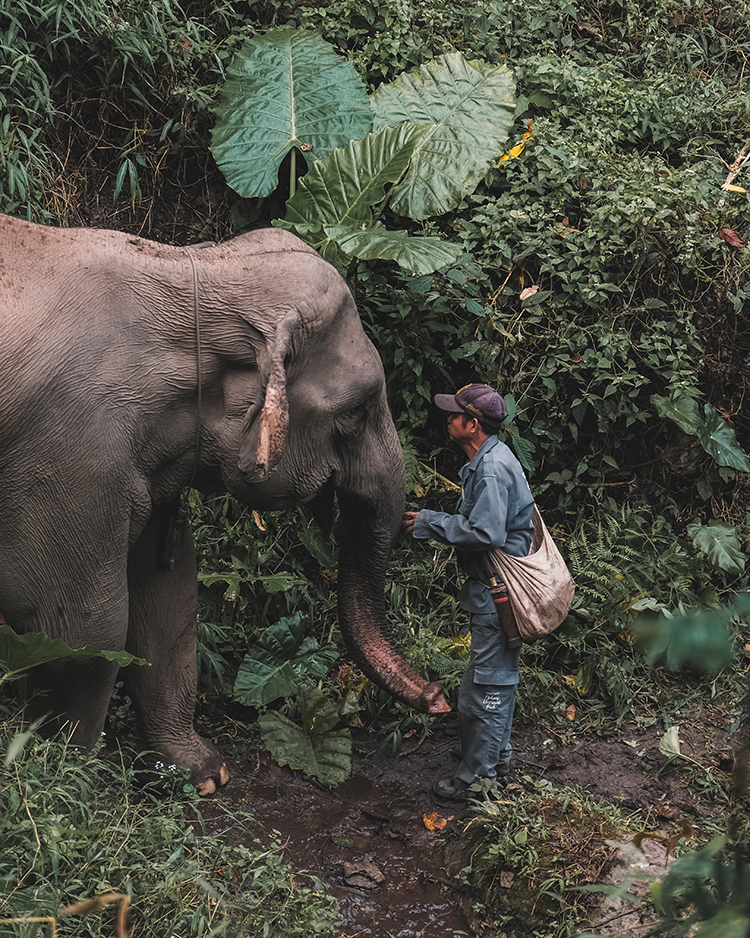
column 668, row 811
column 529, row 291
column 731, row 237
column 435, row 821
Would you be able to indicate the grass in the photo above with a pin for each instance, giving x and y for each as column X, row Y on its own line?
column 74, row 827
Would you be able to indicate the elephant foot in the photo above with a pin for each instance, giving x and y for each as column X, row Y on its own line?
column 208, row 771
column 196, row 760
column 208, row 786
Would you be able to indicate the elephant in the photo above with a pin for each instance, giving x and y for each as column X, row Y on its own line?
column 133, row 370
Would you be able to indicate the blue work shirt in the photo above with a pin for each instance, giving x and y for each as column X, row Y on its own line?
column 495, row 510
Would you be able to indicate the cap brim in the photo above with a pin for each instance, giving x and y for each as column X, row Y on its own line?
column 448, row 402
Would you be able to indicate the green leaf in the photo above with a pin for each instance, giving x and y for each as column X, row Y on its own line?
column 730, row 921
column 470, row 110
column 701, row 638
column 680, row 409
column 280, row 661
column 314, row 748
column 524, row 450
column 669, row 744
column 343, row 188
column 317, row 545
column 19, row 741
column 21, row 652
column 278, row 582
column 420, row 255
column 332, row 208
column 720, row 543
column 288, row 88
column 715, row 435
column 718, row 439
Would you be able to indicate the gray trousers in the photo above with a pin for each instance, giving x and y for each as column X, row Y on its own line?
column 486, row 701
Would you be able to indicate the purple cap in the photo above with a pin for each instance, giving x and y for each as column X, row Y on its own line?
column 476, row 400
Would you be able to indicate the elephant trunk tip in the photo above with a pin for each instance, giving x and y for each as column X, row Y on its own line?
column 432, row 700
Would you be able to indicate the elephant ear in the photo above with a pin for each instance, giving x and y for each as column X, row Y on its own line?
column 257, row 461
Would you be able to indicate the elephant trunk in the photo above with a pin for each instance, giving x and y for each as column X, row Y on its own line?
column 364, row 548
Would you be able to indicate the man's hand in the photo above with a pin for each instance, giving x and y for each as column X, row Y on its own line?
column 407, row 524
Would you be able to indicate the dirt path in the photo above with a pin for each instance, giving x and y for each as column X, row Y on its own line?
column 367, row 840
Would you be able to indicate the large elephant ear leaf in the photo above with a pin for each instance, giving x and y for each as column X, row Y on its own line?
column 316, row 748
column 720, row 543
column 342, row 189
column 20, row 652
column 288, row 88
column 715, row 435
column 333, row 207
column 420, row 255
column 280, row 661
column 470, row 108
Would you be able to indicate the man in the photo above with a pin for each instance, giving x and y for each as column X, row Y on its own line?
column 494, row 511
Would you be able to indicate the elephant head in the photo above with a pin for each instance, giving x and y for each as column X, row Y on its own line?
column 319, row 426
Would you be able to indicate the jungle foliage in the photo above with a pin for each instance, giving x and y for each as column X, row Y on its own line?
column 596, row 272
column 88, row 849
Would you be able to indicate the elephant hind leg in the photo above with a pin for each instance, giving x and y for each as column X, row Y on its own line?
column 162, row 630
column 71, row 697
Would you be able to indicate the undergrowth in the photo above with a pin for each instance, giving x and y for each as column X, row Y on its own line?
column 529, row 853
column 75, row 826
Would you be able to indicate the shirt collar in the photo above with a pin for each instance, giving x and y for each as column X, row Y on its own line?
column 490, row 443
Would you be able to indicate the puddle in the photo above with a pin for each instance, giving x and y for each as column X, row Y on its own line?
column 366, row 841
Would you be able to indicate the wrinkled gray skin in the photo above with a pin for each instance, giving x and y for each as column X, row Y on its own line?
column 98, row 423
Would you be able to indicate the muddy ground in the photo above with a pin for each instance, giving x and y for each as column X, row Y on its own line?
column 395, row 878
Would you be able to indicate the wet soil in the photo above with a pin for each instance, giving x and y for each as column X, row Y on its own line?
column 368, row 842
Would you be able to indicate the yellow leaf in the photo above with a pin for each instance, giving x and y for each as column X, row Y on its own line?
column 434, row 822
column 517, row 150
column 259, row 522
column 730, row 188
column 91, row 905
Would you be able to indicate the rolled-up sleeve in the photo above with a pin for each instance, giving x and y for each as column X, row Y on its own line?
column 484, row 526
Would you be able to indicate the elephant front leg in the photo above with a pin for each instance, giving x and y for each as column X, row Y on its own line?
column 162, row 630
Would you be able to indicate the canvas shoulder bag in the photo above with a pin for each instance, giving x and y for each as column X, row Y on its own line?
column 539, row 586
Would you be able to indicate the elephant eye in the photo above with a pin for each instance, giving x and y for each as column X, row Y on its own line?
column 351, row 423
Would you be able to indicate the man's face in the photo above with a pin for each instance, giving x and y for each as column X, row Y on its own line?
column 459, row 427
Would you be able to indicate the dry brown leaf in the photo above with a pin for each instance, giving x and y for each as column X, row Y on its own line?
column 85, row 906
column 648, row 835
column 122, row 918
column 529, row 291
column 570, row 713
column 259, row 522
column 731, row 237
column 668, row 811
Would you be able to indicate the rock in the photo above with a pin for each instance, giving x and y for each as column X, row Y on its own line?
column 362, row 874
